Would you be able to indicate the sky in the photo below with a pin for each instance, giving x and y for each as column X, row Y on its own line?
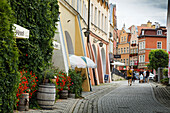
column 137, row 12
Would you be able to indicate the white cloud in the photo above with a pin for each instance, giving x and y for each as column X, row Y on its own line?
column 135, row 12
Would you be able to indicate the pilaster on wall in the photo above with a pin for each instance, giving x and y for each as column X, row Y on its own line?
column 100, row 66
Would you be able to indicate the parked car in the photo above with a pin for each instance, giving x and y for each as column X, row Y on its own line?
column 151, row 76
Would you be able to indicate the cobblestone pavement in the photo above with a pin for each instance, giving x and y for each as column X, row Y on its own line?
column 138, row 98
column 116, row 97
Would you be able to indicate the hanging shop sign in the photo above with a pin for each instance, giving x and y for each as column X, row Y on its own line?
column 20, row 32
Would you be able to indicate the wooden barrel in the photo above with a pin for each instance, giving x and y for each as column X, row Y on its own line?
column 23, row 104
column 46, row 96
column 63, row 94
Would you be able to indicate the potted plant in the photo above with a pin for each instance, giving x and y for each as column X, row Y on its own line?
column 27, row 86
column 47, row 90
column 63, row 82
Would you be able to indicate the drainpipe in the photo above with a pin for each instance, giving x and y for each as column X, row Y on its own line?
column 168, row 33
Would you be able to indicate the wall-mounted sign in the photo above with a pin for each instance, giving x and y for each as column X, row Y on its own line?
column 56, row 45
column 20, row 32
column 117, row 56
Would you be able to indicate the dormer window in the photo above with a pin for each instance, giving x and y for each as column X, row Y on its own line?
column 143, row 32
column 159, row 32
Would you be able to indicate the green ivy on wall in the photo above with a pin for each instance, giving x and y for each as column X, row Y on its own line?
column 9, row 76
column 39, row 16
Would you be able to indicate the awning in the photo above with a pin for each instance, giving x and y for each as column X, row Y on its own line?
column 89, row 62
column 76, row 61
column 118, row 64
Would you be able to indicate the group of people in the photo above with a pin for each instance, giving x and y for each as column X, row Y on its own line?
column 144, row 76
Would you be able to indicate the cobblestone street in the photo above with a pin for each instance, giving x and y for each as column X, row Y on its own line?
column 116, row 97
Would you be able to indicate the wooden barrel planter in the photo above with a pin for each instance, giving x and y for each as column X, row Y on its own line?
column 63, row 94
column 46, row 96
column 23, row 104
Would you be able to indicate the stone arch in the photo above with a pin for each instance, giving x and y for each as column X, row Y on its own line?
column 69, row 43
column 103, row 60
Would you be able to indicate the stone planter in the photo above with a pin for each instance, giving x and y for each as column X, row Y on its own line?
column 63, row 94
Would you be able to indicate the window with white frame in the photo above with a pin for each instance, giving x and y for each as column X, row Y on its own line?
column 131, row 50
column 159, row 45
column 140, row 45
column 143, row 59
column 127, row 49
column 143, row 45
column 124, row 50
column 124, row 38
column 143, row 32
column 159, row 32
column 130, row 62
column 127, row 61
column 92, row 13
column 99, row 19
column 135, row 42
column 95, row 22
column 140, row 58
column 80, row 6
column 102, row 22
column 132, row 42
column 134, row 51
column 121, row 50
column 105, row 24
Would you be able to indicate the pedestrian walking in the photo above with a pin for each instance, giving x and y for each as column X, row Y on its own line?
column 147, row 76
column 129, row 76
column 134, row 76
column 141, row 76
column 144, row 75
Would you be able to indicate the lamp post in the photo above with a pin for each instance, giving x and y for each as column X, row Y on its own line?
column 87, row 33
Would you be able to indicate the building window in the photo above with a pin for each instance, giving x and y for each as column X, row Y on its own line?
column 140, row 58
column 127, row 49
column 159, row 45
column 99, row 19
column 130, row 62
column 159, row 32
column 134, row 51
column 121, row 50
column 140, row 45
column 135, row 41
column 124, row 38
column 105, row 24
column 80, row 6
column 124, row 50
column 143, row 32
column 92, row 13
column 102, row 22
column 143, row 60
column 127, row 61
column 132, row 42
column 123, row 60
column 95, row 22
column 143, row 45
column 131, row 50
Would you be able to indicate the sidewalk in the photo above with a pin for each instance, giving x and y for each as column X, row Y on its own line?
column 67, row 105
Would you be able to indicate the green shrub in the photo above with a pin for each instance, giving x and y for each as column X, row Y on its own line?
column 165, row 81
column 9, row 76
column 165, row 72
column 76, row 82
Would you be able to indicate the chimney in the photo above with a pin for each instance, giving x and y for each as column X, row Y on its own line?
column 149, row 24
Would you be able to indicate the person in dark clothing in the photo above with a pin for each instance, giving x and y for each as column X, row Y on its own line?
column 134, row 76
column 147, row 76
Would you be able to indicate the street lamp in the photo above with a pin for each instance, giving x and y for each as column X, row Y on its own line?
column 86, row 33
